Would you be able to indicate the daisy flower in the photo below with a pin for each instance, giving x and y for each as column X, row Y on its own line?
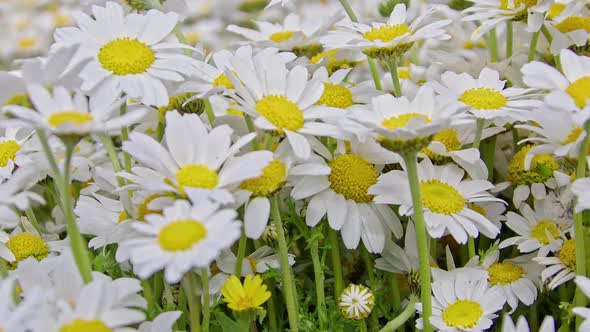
column 403, row 124
column 516, row 278
column 459, row 304
column 281, row 100
column 485, row 97
column 258, row 262
column 341, row 95
column 389, row 40
column 195, row 166
column 342, row 193
column 17, row 317
column 62, row 113
column 292, row 34
column 445, row 197
column 561, row 267
column 356, row 302
column 101, row 305
column 570, row 27
column 559, row 133
column 543, row 172
column 404, row 260
column 185, row 236
column 14, row 195
column 568, row 91
column 491, row 13
column 537, row 229
column 583, row 283
column 247, row 297
column 125, row 53
column 16, row 149
column 256, row 192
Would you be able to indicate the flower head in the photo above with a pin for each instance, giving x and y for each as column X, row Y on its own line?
column 356, row 302
column 244, row 297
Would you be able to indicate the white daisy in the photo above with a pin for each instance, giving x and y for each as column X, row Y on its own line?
column 61, row 113
column 341, row 95
column 15, row 195
column 569, row 27
column 561, row 267
column 195, row 166
column 538, row 229
column 522, row 325
column 356, row 302
column 485, row 97
column 17, row 317
column 281, row 100
column 389, row 40
column 342, row 193
column 445, row 198
column 568, row 91
column 16, row 148
column 493, row 12
column 463, row 304
column 395, row 259
column 185, row 236
column 125, row 53
column 258, row 262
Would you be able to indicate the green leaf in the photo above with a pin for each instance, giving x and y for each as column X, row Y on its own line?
column 227, row 324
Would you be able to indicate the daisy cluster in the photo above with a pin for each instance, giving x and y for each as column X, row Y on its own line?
column 301, row 165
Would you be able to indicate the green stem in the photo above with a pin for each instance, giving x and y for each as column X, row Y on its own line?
column 125, row 137
column 252, row 129
column 271, row 309
column 206, row 303
column 362, row 325
column 375, row 73
column 533, row 47
column 336, row 263
column 509, row 39
column 493, row 45
column 546, row 33
column 148, row 294
column 580, row 298
column 349, row 11
column 515, row 139
column 107, row 143
column 395, row 77
column 471, row 247
column 318, row 271
column 395, row 293
column 534, row 316
column 209, row 112
column 411, row 162
column 33, row 219
column 478, row 133
column 244, row 325
column 194, row 304
column 3, row 269
column 373, row 284
column 285, row 267
column 241, row 254
column 402, row 318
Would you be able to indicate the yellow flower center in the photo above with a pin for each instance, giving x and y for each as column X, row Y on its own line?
column 387, row 32
column 272, row 178
column 463, row 313
column 449, row 137
column 401, row 121
column 404, row 73
column 281, row 112
column 579, row 90
column 483, row 99
column 352, row 176
column 80, row 325
column 223, row 80
column 567, row 254
column 336, row 95
column 25, row 245
column 440, row 197
column 504, row 273
column 197, row 176
column 72, row 117
column 573, row 23
column 8, row 150
column 27, row 43
column 126, row 56
column 573, row 135
column 555, row 10
column 542, row 168
column 143, row 209
column 281, row 36
column 540, row 230
column 181, row 234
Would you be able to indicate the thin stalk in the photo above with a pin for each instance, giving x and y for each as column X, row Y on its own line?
column 244, row 325
column 148, row 294
column 395, row 77
column 206, row 302
column 318, row 272
column 194, row 304
column 580, row 298
column 402, row 318
column 471, row 247
column 125, row 137
column 362, row 325
column 546, row 33
column 252, row 129
column 478, row 133
column 515, row 139
column 33, row 219
column 107, row 143
column 241, row 254
column 411, row 162
column 534, row 316
column 272, row 315
column 286, row 273
column 533, row 46
column 509, row 39
column 375, row 73
column 3, row 269
column 395, row 294
column 349, row 11
column 336, row 263
column 373, row 284
column 493, row 45
column 209, row 112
